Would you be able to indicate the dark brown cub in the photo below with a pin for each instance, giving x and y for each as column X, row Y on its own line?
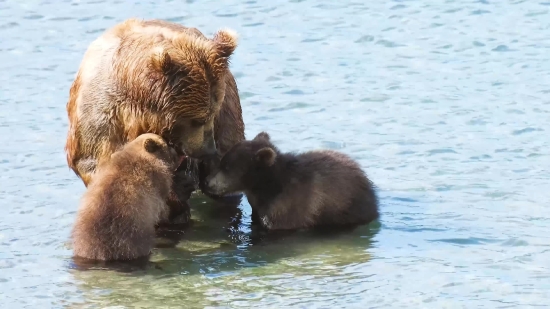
column 293, row 191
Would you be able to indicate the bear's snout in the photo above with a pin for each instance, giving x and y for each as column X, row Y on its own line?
column 209, row 149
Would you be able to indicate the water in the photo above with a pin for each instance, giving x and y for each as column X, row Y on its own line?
column 444, row 103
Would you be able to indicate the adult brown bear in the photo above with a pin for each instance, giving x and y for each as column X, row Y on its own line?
column 155, row 77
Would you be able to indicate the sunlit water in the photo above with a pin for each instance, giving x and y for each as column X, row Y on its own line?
column 444, row 103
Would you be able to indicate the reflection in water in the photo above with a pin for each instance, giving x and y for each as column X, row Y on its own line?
column 220, row 254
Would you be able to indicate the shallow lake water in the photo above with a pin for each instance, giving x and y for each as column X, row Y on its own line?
column 445, row 104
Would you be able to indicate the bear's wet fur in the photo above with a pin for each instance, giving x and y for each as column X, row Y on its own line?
column 125, row 200
column 289, row 191
column 154, row 76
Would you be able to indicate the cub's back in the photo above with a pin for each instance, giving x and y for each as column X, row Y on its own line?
column 340, row 191
column 333, row 171
column 118, row 212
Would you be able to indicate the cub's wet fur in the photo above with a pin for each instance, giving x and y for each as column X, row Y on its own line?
column 127, row 197
column 294, row 191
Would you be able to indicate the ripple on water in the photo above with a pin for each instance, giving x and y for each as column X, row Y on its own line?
column 294, row 92
column 502, row 48
column 273, row 79
column 388, row 43
column 8, row 25
column 515, row 243
column 440, row 151
column 245, row 95
column 365, row 39
column 257, row 24
column 526, row 130
column 33, row 16
column 178, row 19
column 290, row 106
column 61, row 18
column 467, row 241
column 98, row 31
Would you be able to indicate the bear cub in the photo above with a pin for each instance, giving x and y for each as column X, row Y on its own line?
column 295, row 191
column 127, row 197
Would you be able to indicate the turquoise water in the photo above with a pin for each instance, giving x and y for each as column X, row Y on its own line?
column 444, row 103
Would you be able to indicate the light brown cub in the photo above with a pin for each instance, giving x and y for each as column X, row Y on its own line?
column 127, row 197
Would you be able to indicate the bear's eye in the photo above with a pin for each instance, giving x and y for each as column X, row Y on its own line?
column 198, row 123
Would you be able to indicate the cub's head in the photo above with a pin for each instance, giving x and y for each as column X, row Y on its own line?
column 194, row 70
column 154, row 146
column 243, row 166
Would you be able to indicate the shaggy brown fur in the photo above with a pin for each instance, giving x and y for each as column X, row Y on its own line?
column 288, row 191
column 119, row 210
column 153, row 77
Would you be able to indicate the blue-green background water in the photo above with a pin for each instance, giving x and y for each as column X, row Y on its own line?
column 444, row 103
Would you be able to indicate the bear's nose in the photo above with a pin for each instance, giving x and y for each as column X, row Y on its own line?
column 208, row 155
column 209, row 150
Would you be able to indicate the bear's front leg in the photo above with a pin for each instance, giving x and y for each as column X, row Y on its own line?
column 178, row 203
column 178, row 210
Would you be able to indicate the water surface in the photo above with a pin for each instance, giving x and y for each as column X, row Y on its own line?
column 444, row 103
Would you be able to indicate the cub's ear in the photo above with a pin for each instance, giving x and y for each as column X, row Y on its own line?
column 151, row 145
column 262, row 136
column 266, row 155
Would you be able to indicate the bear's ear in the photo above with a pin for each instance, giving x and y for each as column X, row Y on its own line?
column 225, row 42
column 222, row 47
column 161, row 60
column 262, row 136
column 151, row 145
column 266, row 155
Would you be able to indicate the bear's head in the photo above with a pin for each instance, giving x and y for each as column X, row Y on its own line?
column 243, row 166
column 193, row 71
column 155, row 147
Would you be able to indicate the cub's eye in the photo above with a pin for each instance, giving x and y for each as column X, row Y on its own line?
column 224, row 166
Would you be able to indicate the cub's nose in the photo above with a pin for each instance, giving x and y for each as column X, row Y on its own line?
column 210, row 181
